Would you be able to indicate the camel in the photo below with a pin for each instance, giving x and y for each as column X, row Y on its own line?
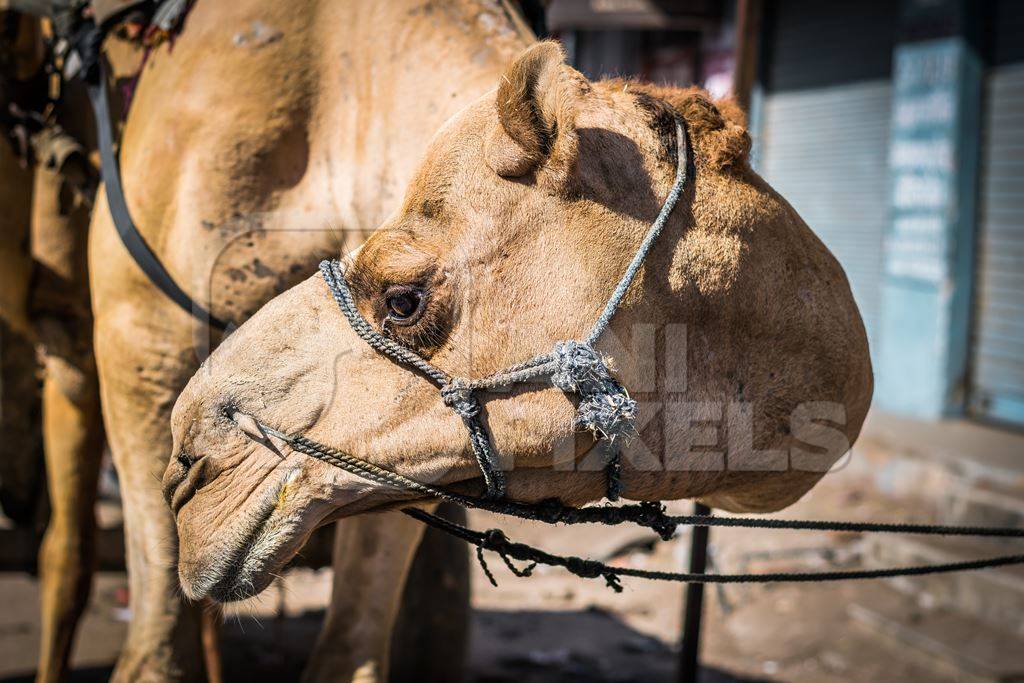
column 740, row 338
column 265, row 137
column 46, row 303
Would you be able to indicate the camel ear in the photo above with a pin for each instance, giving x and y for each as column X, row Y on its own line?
column 536, row 107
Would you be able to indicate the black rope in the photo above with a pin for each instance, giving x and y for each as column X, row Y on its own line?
column 496, row 541
column 648, row 514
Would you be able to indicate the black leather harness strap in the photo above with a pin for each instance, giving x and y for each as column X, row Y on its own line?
column 80, row 45
column 130, row 236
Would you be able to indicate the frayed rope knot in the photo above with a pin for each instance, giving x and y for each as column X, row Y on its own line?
column 460, row 398
column 579, row 367
column 605, row 407
column 494, row 539
column 589, row 569
column 652, row 515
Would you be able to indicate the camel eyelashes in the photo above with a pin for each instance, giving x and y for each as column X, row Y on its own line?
column 404, row 304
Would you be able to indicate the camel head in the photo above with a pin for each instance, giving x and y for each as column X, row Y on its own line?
column 739, row 338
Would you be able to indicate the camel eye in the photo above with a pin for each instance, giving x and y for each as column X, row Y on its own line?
column 404, row 304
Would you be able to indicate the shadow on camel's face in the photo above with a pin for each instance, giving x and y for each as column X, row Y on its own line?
column 504, row 243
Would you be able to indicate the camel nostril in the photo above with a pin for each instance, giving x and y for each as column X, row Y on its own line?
column 180, row 483
column 185, row 459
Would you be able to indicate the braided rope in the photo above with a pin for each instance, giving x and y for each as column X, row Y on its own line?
column 486, row 458
column 455, row 392
column 648, row 514
column 496, row 541
column 517, row 374
column 334, row 276
column 652, row 235
column 605, row 408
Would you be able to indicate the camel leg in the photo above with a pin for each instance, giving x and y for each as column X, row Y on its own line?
column 400, row 605
column 15, row 259
column 73, row 438
column 20, row 467
column 145, row 354
column 430, row 638
column 169, row 638
column 210, row 631
column 72, row 428
column 372, row 555
column 144, row 357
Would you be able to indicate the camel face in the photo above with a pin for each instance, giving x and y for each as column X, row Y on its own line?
column 526, row 211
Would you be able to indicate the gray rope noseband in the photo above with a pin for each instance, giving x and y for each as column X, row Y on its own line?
column 605, row 408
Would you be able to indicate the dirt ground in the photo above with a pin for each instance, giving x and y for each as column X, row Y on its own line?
column 555, row 627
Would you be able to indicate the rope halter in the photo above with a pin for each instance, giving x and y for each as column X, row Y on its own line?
column 575, row 367
column 605, row 409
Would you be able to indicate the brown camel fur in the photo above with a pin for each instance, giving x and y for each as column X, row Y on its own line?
column 740, row 337
column 267, row 136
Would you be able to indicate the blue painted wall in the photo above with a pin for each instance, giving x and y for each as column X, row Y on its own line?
column 928, row 253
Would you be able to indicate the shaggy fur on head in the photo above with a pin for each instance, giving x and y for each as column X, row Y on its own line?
column 718, row 128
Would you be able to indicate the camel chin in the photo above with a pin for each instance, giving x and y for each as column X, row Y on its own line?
column 234, row 543
column 259, row 536
column 253, row 515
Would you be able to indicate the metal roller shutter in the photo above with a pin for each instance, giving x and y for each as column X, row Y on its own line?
column 998, row 340
column 825, row 129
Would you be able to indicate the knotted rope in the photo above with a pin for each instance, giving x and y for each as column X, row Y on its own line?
column 605, row 409
column 575, row 367
column 496, row 541
column 647, row 514
column 460, row 398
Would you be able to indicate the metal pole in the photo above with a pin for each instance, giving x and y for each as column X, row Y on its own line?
column 689, row 647
column 747, row 49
